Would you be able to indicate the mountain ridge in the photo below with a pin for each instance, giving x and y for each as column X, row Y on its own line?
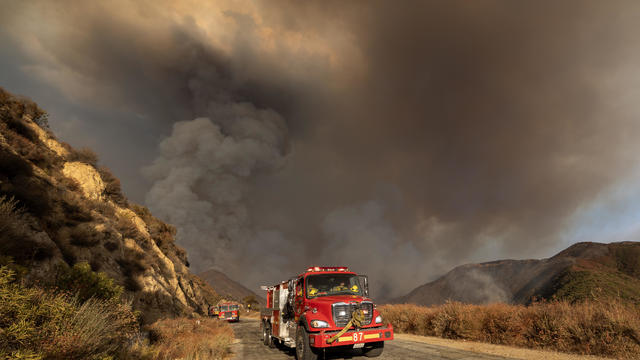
column 229, row 288
column 583, row 270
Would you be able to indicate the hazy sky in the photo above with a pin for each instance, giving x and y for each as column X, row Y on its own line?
column 398, row 138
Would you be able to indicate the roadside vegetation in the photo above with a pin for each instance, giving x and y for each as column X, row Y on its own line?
column 82, row 316
column 68, row 279
column 40, row 323
column 190, row 339
column 593, row 327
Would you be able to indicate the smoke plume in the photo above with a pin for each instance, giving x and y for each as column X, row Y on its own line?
column 201, row 176
column 398, row 140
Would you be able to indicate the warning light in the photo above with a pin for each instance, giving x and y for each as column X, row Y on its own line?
column 327, row 268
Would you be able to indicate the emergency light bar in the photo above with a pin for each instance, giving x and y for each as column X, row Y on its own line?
column 327, row 268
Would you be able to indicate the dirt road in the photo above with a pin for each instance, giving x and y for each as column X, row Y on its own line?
column 249, row 346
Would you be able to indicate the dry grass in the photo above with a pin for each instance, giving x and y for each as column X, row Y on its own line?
column 605, row 328
column 191, row 339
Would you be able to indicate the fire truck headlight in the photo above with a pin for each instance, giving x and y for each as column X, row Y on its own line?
column 378, row 319
column 319, row 324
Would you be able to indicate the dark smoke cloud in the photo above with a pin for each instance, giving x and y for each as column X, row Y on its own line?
column 398, row 138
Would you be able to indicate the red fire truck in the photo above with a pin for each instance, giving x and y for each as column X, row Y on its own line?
column 214, row 311
column 324, row 307
column 229, row 311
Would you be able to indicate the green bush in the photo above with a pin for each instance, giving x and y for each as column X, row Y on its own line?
column 35, row 324
column 85, row 283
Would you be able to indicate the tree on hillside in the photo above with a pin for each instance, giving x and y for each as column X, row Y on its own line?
column 251, row 301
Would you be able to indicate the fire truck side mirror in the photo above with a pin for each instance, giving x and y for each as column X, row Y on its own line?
column 364, row 282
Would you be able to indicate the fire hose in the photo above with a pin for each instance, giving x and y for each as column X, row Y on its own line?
column 357, row 317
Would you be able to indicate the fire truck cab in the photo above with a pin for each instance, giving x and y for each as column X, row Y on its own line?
column 229, row 311
column 324, row 307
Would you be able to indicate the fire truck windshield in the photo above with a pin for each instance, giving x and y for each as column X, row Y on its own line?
column 333, row 284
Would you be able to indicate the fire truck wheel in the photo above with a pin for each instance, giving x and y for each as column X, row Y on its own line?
column 266, row 333
column 303, row 349
column 375, row 350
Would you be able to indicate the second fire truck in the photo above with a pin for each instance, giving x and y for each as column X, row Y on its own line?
column 229, row 311
column 324, row 307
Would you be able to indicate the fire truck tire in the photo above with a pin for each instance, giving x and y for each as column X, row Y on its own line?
column 303, row 349
column 266, row 333
column 271, row 341
column 375, row 350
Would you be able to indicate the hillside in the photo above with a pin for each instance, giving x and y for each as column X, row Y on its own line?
column 582, row 271
column 228, row 288
column 59, row 208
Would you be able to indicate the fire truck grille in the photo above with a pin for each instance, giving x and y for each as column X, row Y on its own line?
column 342, row 313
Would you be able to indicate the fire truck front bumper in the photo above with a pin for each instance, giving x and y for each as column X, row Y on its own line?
column 229, row 317
column 352, row 337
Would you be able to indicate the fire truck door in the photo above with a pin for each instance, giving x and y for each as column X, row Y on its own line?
column 299, row 298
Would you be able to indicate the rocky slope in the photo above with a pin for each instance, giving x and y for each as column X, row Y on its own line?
column 72, row 210
column 584, row 270
column 228, row 288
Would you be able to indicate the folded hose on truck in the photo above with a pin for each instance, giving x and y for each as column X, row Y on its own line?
column 357, row 317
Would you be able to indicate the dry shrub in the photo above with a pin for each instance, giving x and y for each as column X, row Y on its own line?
column 499, row 325
column 102, row 207
column 162, row 233
column 84, row 235
column 128, row 229
column 84, row 155
column 605, row 328
column 16, row 238
column 13, row 165
column 112, row 189
column 132, row 264
column 191, row 339
column 69, row 254
column 75, row 208
column 11, row 117
column 14, row 126
column 35, row 152
column 32, row 193
column 132, row 284
column 111, row 245
column 69, row 184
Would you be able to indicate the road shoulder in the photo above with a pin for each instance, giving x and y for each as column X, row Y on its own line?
column 498, row 350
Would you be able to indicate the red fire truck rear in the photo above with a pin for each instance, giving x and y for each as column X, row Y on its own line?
column 324, row 307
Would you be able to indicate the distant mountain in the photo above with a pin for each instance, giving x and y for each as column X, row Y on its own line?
column 584, row 270
column 228, row 288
